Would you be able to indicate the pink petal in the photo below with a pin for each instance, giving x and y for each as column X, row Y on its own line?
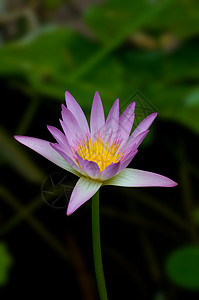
column 136, row 178
column 126, row 121
column 112, row 122
column 144, row 125
column 61, row 139
column 126, row 161
column 85, row 188
column 90, row 168
column 69, row 160
column 71, row 127
column 140, row 137
column 136, row 140
column 44, row 148
column 69, row 119
column 56, row 133
column 69, row 136
column 110, row 171
column 77, row 112
column 97, row 119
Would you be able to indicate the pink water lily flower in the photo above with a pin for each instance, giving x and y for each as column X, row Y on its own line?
column 100, row 154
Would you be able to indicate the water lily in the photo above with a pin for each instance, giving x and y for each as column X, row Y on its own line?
column 99, row 155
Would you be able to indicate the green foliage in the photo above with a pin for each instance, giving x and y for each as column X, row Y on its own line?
column 193, row 98
column 178, row 17
column 115, row 15
column 182, row 267
column 52, row 4
column 5, row 263
column 47, row 59
column 55, row 59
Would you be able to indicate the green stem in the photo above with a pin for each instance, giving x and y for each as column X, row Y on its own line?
column 97, row 248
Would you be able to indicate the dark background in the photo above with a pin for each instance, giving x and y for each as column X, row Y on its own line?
column 144, row 51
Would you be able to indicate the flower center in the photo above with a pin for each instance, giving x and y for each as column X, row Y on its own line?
column 97, row 151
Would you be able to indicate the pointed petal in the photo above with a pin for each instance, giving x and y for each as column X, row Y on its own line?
column 112, row 122
column 136, row 178
column 61, row 139
column 113, row 116
column 126, row 121
column 70, row 126
column 56, row 133
column 126, row 161
column 69, row 136
column 144, row 125
column 85, row 188
column 140, row 137
column 44, row 148
column 77, row 112
column 110, row 171
column 70, row 120
column 90, row 168
column 97, row 119
column 136, row 141
column 69, row 160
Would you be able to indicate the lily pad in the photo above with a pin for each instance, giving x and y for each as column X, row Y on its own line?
column 182, row 267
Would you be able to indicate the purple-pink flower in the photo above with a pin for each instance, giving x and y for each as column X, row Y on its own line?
column 100, row 154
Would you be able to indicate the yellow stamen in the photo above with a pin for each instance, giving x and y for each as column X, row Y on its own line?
column 97, row 151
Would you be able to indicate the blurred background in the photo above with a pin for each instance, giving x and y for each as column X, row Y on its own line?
column 145, row 51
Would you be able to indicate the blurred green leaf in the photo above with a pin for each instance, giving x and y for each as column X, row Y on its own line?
column 114, row 15
column 168, row 80
column 182, row 267
column 182, row 65
column 171, row 105
column 48, row 71
column 52, row 4
column 55, row 59
column 5, row 263
column 165, row 82
column 193, row 98
column 179, row 17
column 13, row 153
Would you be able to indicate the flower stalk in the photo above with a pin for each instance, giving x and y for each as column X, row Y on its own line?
column 97, row 255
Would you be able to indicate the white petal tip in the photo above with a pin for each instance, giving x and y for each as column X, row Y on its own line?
column 49, row 127
column 167, row 182
column 133, row 104
column 67, row 93
column 155, row 114
column 71, row 208
column 16, row 137
column 172, row 184
column 69, row 212
column 20, row 138
column 63, row 106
